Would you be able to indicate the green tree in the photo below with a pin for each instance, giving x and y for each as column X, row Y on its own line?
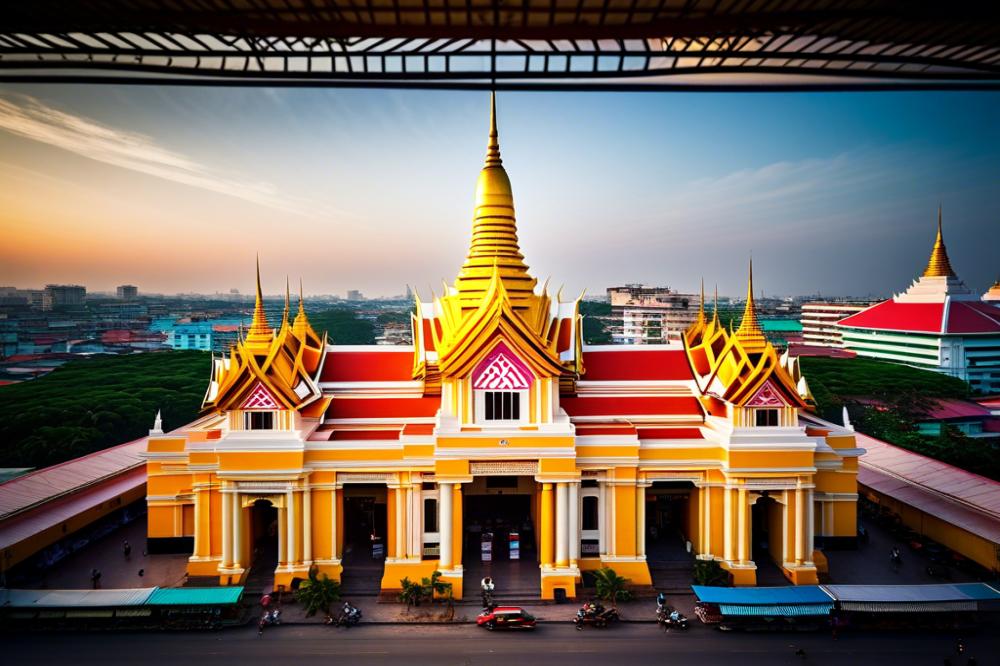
column 709, row 572
column 317, row 593
column 611, row 587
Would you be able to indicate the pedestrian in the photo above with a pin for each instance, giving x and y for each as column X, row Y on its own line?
column 95, row 577
column 127, row 549
column 142, row 572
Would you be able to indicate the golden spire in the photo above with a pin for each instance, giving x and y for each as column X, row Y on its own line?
column 715, row 307
column 288, row 298
column 700, row 321
column 938, row 265
column 750, row 334
column 260, row 335
column 494, row 234
column 301, row 324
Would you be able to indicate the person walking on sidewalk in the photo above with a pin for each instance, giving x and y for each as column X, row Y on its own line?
column 127, row 549
column 95, row 577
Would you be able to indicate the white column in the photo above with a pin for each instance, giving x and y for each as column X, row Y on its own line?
column 290, row 525
column 574, row 523
column 562, row 525
column 602, row 517
column 197, row 523
column 237, row 531
column 307, row 539
column 800, row 524
column 227, row 531
column 810, row 526
column 415, row 521
column 744, row 527
column 444, row 524
column 786, row 551
column 640, row 520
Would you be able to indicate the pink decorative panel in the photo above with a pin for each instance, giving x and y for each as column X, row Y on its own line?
column 260, row 398
column 501, row 370
column 766, row 396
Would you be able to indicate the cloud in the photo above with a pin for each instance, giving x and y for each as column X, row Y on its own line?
column 27, row 117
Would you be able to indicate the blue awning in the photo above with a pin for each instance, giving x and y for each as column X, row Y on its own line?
column 913, row 594
column 777, row 610
column 763, row 596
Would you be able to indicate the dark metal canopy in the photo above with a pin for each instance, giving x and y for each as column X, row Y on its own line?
column 518, row 44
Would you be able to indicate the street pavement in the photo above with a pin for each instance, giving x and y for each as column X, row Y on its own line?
column 555, row 644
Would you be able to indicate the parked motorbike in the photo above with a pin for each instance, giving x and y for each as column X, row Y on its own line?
column 596, row 615
column 350, row 616
column 271, row 618
column 667, row 616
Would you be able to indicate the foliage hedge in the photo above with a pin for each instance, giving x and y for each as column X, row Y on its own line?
column 95, row 402
column 901, row 395
column 344, row 326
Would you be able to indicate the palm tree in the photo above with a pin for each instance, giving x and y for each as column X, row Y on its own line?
column 317, row 593
column 611, row 587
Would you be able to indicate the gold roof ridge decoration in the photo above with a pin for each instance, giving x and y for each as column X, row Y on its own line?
column 750, row 334
column 938, row 265
column 286, row 362
column 494, row 234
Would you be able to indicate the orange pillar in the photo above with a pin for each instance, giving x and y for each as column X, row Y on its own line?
column 546, row 527
column 390, row 528
column 457, row 530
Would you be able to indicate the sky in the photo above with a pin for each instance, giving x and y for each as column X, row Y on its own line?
column 177, row 189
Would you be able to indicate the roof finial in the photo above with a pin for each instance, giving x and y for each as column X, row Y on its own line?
column 157, row 425
column 939, row 265
column 701, row 305
column 750, row 334
column 301, row 325
column 260, row 334
column 288, row 303
column 493, row 146
column 715, row 308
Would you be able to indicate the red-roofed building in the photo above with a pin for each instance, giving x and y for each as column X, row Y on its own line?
column 937, row 324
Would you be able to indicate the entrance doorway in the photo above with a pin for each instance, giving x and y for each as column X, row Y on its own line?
column 263, row 533
column 668, row 532
column 365, row 538
column 499, row 536
column 767, row 543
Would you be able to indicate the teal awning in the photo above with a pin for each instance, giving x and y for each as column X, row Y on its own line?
column 195, row 596
column 776, row 610
column 763, row 596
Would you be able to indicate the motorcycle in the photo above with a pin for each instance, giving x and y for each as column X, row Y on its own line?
column 895, row 559
column 668, row 617
column 271, row 618
column 595, row 614
column 349, row 617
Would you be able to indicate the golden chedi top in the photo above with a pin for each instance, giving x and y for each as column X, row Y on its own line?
column 938, row 265
column 750, row 335
column 301, row 327
column 494, row 234
column 260, row 335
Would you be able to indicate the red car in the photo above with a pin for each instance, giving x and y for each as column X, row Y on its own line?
column 506, row 617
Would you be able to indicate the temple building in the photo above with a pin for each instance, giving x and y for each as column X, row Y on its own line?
column 937, row 324
column 499, row 441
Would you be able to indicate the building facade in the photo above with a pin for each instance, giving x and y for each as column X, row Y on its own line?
column 498, row 436
column 819, row 321
column 937, row 324
column 191, row 336
column 63, row 295
column 650, row 315
column 127, row 292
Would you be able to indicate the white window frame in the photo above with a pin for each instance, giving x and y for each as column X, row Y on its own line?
column 479, row 398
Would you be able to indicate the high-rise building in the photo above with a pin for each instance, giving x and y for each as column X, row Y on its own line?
column 355, row 295
column 937, row 324
column 650, row 315
column 128, row 292
column 63, row 295
column 819, row 321
column 497, row 434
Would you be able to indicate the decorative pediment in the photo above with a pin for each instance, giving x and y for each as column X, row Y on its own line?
column 501, row 370
column 766, row 396
column 260, row 398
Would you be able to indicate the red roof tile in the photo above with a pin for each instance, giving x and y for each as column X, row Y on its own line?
column 966, row 317
column 892, row 316
column 955, row 409
column 367, row 366
column 631, row 405
column 609, row 364
column 671, row 433
column 380, row 408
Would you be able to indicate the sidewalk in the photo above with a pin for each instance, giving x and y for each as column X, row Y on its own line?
column 641, row 611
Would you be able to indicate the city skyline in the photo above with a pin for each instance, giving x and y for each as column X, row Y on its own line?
column 372, row 190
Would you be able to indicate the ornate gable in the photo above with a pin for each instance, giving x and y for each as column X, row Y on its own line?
column 501, row 370
column 766, row 396
column 260, row 398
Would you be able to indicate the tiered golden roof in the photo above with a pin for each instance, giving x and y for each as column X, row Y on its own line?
column 734, row 366
column 494, row 290
column 939, row 265
column 494, row 234
column 286, row 362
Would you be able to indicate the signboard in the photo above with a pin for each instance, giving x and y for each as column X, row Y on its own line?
column 514, row 542
column 486, row 547
column 590, row 548
column 378, row 549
